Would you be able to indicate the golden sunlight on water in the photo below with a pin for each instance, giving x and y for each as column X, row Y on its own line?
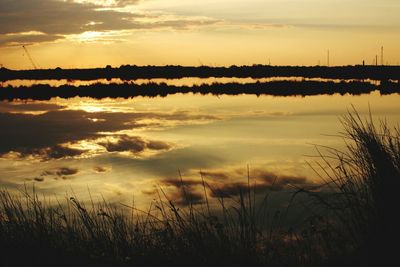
column 123, row 147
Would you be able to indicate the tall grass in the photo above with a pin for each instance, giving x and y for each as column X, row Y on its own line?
column 364, row 184
column 353, row 216
column 103, row 234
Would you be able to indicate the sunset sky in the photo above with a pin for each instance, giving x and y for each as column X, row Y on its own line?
column 95, row 33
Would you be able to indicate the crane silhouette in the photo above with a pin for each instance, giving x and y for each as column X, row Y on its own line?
column 30, row 58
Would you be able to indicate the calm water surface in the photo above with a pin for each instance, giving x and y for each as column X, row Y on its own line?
column 117, row 148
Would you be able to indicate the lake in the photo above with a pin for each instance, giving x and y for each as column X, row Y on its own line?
column 121, row 149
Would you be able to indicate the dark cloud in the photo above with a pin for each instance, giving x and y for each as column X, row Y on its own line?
column 62, row 172
column 220, row 186
column 100, row 169
column 279, row 182
column 38, row 179
column 126, row 143
column 44, row 135
column 169, row 162
column 187, row 197
column 134, row 144
column 158, row 145
column 55, row 19
column 230, row 189
column 48, row 153
column 65, row 171
column 28, row 107
column 185, row 191
column 216, row 175
column 261, row 182
column 178, row 183
column 23, row 39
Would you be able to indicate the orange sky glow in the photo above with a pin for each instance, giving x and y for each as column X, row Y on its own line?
column 95, row 33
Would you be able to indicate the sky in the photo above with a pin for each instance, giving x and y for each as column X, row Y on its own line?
column 96, row 33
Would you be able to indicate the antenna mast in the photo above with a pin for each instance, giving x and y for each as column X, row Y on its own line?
column 30, row 58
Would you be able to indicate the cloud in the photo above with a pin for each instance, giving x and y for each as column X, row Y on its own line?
column 48, row 153
column 134, row 144
column 279, row 181
column 23, row 39
column 16, row 107
column 101, row 169
column 230, row 190
column 158, row 145
column 65, row 171
column 185, row 115
column 38, row 179
column 185, row 191
column 261, row 182
column 126, row 143
column 231, row 183
column 49, row 135
column 217, row 175
column 114, row 3
column 62, row 172
column 123, row 3
column 178, row 183
column 50, row 20
column 187, row 197
column 48, row 130
column 53, row 17
column 44, row 134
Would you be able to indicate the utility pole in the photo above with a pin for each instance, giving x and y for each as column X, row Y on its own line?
column 376, row 60
column 382, row 55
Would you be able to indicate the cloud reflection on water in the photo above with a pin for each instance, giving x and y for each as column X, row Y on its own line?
column 124, row 146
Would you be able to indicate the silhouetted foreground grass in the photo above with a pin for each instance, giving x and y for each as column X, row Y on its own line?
column 127, row 90
column 365, row 181
column 353, row 222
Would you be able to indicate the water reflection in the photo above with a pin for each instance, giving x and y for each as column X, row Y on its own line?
column 187, row 81
column 120, row 147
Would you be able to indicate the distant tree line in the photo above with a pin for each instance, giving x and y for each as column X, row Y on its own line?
column 128, row 89
column 128, row 72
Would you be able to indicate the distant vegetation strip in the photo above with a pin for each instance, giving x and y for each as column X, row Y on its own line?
column 127, row 90
column 129, row 72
